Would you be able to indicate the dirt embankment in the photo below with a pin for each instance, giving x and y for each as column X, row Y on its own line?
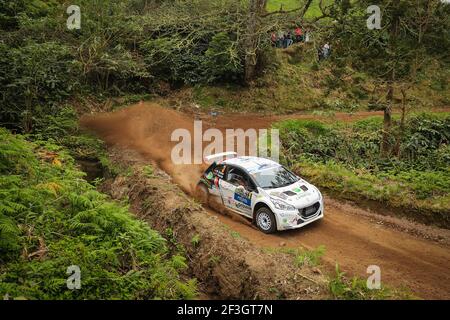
column 226, row 265
column 409, row 255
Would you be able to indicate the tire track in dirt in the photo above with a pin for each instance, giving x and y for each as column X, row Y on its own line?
column 350, row 237
column 355, row 243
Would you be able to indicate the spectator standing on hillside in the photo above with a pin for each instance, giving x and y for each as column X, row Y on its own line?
column 288, row 40
column 273, row 39
column 280, row 40
column 307, row 35
column 319, row 54
column 298, row 34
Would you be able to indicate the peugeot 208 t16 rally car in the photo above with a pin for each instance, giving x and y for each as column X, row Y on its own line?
column 262, row 190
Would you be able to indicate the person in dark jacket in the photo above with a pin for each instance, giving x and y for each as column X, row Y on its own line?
column 288, row 40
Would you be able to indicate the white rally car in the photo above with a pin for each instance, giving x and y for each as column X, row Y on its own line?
column 262, row 190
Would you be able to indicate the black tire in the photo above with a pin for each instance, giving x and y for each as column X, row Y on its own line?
column 265, row 220
column 202, row 194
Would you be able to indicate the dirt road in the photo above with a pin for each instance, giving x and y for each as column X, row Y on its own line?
column 352, row 236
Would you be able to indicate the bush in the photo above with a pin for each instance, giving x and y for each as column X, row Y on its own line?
column 10, row 11
column 215, row 59
column 110, row 67
column 222, row 60
column 34, row 78
column 167, row 61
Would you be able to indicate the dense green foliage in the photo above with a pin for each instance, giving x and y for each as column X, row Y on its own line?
column 122, row 47
column 410, row 36
column 34, row 78
column 346, row 158
column 142, row 47
column 50, row 219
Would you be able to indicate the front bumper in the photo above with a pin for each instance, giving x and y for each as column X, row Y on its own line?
column 296, row 221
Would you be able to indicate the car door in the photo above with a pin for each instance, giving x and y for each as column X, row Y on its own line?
column 227, row 193
column 236, row 188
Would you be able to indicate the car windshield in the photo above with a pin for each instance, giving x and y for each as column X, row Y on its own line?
column 274, row 177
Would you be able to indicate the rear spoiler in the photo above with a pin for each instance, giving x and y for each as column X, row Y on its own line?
column 220, row 157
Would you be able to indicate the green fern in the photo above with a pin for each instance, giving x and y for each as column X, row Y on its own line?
column 50, row 218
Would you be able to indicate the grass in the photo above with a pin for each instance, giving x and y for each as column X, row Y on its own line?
column 309, row 257
column 340, row 286
column 274, row 5
column 356, row 288
column 286, row 87
column 303, row 257
column 195, row 241
column 313, row 11
column 294, row 81
column 214, row 260
column 148, row 171
column 235, row 234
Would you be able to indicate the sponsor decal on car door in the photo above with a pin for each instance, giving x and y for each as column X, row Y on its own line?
column 243, row 200
column 227, row 191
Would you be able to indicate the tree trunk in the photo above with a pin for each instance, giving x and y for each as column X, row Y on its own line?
column 256, row 8
column 387, row 121
column 401, row 132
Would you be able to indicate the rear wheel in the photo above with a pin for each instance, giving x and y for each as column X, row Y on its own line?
column 202, row 193
column 265, row 220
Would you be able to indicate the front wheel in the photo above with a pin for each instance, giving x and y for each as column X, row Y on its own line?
column 265, row 220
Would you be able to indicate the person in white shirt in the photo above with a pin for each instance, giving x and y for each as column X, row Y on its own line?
column 326, row 50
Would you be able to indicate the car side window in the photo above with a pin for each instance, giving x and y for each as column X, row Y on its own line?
column 238, row 177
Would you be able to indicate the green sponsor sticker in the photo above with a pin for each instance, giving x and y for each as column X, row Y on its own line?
column 297, row 190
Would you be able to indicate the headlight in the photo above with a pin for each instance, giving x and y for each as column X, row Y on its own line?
column 281, row 205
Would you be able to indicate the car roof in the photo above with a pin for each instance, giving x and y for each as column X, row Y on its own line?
column 252, row 164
